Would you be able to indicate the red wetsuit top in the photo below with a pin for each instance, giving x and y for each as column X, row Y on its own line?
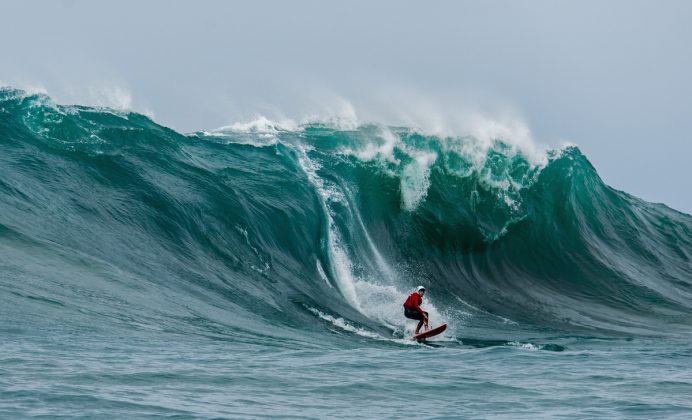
column 413, row 302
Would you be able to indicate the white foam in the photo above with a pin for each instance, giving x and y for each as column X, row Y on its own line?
column 22, row 90
column 112, row 96
column 380, row 149
column 108, row 97
column 32, row 89
column 332, row 110
column 384, row 304
column 259, row 132
column 338, row 258
column 344, row 325
column 525, row 346
column 485, row 119
column 511, row 131
column 415, row 179
column 322, row 274
column 260, row 125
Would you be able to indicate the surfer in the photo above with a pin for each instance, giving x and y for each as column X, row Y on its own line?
column 412, row 309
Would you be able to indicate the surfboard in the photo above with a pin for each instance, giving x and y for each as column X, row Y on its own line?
column 430, row 333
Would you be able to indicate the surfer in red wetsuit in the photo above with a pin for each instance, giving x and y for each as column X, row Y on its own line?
column 412, row 309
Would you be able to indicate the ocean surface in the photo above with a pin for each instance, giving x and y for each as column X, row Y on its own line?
column 259, row 270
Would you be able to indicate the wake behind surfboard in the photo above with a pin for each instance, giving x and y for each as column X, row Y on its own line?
column 430, row 333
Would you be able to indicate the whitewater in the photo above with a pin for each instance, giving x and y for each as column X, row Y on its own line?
column 259, row 270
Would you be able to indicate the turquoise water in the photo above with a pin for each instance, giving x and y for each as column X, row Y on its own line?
column 259, row 270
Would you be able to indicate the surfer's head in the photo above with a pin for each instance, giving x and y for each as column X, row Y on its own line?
column 420, row 290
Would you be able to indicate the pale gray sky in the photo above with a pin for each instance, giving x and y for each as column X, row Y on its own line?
column 611, row 76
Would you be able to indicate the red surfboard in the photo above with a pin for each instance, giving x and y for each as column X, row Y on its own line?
column 430, row 333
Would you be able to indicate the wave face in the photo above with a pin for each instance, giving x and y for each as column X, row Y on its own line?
column 109, row 220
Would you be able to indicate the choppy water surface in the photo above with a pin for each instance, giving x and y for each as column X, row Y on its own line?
column 211, row 379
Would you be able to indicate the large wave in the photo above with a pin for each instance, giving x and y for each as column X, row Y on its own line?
column 109, row 220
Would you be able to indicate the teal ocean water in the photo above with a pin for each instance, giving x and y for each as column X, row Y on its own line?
column 258, row 270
